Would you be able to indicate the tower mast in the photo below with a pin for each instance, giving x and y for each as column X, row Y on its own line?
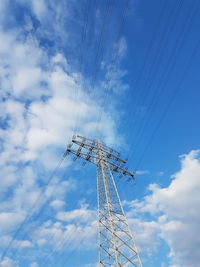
column 115, row 242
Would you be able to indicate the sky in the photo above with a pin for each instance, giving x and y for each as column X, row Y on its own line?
column 126, row 73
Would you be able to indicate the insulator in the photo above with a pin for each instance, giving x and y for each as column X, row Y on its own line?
column 74, row 158
column 66, row 153
column 84, row 163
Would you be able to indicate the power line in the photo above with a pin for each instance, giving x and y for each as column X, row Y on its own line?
column 51, row 235
column 83, row 36
column 109, row 77
column 99, row 55
column 172, row 60
column 28, row 216
column 54, row 254
column 176, row 91
column 162, row 44
column 88, row 9
column 139, row 77
column 113, row 63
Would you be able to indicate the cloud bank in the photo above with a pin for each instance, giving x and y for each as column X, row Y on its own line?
column 175, row 214
column 43, row 102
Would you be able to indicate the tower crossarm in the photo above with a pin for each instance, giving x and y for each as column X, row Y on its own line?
column 91, row 157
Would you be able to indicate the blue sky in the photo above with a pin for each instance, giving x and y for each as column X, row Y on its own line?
column 124, row 72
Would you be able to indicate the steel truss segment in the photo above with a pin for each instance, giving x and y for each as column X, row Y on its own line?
column 125, row 242
column 116, row 245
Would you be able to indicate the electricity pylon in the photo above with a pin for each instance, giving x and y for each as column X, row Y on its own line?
column 115, row 242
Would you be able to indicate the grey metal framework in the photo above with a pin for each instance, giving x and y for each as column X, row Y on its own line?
column 115, row 242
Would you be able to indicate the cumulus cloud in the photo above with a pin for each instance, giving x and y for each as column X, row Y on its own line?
column 60, row 235
column 73, row 230
column 39, row 113
column 145, row 233
column 43, row 101
column 176, row 209
column 81, row 215
column 49, row 122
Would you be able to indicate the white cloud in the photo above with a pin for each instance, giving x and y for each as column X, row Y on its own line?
column 8, row 220
column 39, row 8
column 176, row 208
column 42, row 100
column 142, row 172
column 75, row 230
column 49, row 122
column 81, row 215
column 26, row 79
column 61, row 236
column 8, row 177
column 40, row 115
column 145, row 233
column 8, row 263
column 17, row 244
column 57, row 204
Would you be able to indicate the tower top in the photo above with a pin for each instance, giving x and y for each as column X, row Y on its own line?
column 86, row 148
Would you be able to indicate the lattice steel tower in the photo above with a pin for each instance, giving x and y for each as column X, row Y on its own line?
column 115, row 242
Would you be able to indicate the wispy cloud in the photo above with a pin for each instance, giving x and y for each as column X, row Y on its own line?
column 141, row 172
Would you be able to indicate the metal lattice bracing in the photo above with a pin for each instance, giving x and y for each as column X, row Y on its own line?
column 115, row 242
